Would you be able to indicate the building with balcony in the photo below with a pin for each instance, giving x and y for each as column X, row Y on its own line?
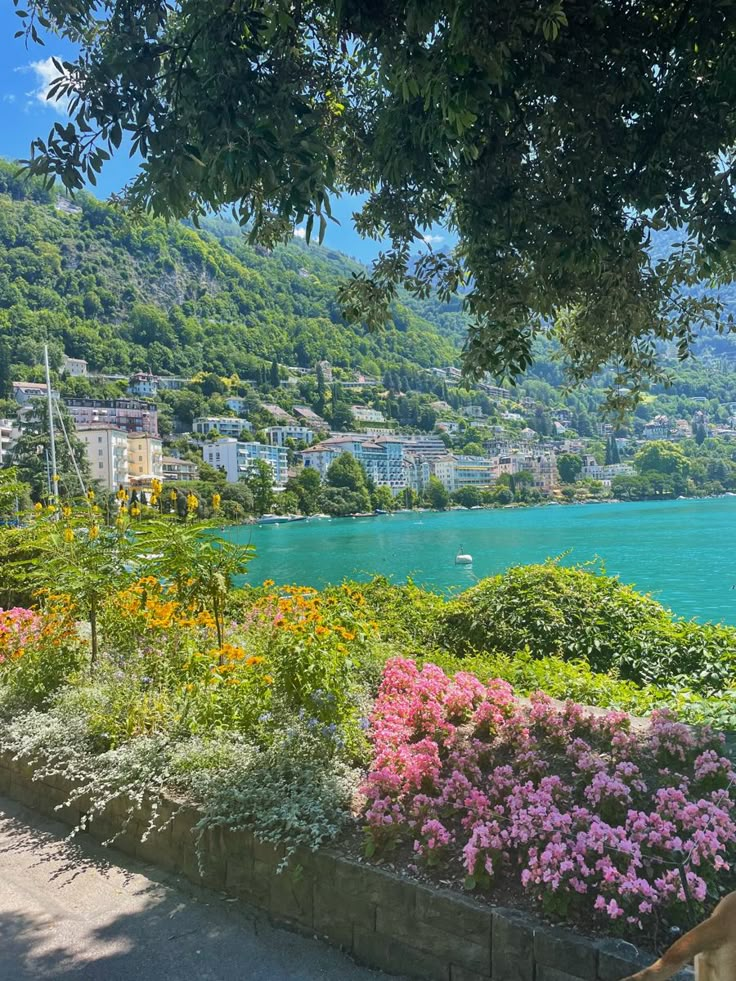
column 236, row 459
column 107, row 453
column 132, row 415
column 592, row 470
column 231, row 426
column 8, row 436
column 425, row 447
column 362, row 413
column 172, row 468
column 145, row 455
column 278, row 435
column 456, row 472
column 383, row 458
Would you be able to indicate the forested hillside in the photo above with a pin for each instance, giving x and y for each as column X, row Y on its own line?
column 128, row 294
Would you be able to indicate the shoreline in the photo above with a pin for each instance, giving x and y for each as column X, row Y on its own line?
column 275, row 519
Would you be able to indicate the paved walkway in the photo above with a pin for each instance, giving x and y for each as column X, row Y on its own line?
column 78, row 911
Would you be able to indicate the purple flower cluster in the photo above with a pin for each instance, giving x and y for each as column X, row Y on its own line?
column 592, row 818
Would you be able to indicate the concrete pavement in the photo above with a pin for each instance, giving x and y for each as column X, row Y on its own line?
column 77, row 911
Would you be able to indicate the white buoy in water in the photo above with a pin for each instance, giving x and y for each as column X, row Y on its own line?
column 463, row 558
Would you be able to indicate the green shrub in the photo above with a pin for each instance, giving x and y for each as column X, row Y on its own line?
column 575, row 614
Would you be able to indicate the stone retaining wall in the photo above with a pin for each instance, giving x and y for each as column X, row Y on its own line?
column 381, row 919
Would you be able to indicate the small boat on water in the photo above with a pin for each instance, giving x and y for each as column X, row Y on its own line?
column 463, row 558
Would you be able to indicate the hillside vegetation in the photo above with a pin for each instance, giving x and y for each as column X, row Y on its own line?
column 127, row 293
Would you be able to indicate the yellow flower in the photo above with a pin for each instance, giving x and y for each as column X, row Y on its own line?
column 68, row 535
column 154, row 500
column 38, row 506
column 90, row 495
column 267, row 679
column 66, row 511
column 94, row 532
column 135, row 511
column 216, row 501
column 253, row 660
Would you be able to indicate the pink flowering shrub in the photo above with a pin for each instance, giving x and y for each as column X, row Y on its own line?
column 18, row 628
column 590, row 818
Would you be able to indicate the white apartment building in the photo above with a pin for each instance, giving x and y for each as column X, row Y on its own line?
column 278, row 435
column 145, row 455
column 25, row 392
column 384, row 458
column 107, row 453
column 604, row 472
column 230, row 426
column 7, row 438
column 427, row 447
column 457, row 472
column 236, row 459
column 75, row 367
column 362, row 413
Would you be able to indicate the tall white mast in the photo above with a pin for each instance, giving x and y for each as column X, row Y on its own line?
column 54, row 474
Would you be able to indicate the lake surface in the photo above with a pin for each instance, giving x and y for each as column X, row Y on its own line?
column 680, row 551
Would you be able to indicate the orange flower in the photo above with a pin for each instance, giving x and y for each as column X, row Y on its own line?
column 267, row 679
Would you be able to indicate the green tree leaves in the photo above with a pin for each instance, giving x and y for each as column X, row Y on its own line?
column 551, row 139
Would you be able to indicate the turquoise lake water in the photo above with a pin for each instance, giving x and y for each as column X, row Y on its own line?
column 680, row 551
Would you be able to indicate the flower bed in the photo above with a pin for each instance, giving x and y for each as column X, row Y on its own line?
column 589, row 818
column 274, row 724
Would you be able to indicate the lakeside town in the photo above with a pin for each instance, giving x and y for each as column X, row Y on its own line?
column 271, row 261
column 466, row 448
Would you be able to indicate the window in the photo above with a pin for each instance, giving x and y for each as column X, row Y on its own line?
column 99, row 439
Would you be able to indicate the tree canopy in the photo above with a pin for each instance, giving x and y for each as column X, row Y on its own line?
column 549, row 137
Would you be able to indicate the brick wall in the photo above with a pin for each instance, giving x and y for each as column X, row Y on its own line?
column 381, row 919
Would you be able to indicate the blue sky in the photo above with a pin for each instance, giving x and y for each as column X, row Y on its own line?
column 25, row 73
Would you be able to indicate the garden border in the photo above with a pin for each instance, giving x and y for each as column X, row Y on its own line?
column 381, row 919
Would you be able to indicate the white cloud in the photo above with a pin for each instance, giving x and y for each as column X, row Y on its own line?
column 46, row 72
column 432, row 239
column 300, row 233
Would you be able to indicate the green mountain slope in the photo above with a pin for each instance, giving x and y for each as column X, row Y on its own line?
column 129, row 294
